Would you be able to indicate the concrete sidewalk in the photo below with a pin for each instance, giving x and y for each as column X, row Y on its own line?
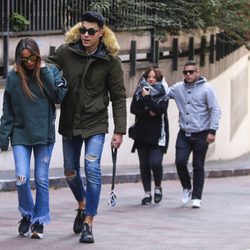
column 221, row 224
column 130, row 174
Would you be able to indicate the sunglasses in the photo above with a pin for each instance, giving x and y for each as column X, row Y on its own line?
column 190, row 72
column 31, row 58
column 90, row 31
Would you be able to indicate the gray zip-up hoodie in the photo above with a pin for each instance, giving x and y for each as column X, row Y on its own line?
column 198, row 106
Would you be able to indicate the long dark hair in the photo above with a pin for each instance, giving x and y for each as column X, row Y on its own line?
column 31, row 45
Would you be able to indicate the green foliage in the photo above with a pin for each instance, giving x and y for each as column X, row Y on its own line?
column 19, row 22
column 120, row 13
column 173, row 16
column 100, row 5
column 234, row 19
column 230, row 16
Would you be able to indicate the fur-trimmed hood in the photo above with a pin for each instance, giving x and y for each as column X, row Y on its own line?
column 109, row 39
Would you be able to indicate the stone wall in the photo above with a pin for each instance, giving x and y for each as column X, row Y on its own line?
column 232, row 88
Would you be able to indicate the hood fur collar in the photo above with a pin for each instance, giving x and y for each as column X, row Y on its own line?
column 109, row 39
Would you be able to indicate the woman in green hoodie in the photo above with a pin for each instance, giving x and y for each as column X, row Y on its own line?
column 28, row 121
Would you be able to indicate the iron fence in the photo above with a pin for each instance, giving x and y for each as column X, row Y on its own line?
column 47, row 16
column 59, row 15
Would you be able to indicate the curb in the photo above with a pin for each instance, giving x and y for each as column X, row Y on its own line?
column 59, row 182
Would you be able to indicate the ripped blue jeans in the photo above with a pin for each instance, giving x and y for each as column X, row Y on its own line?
column 92, row 158
column 38, row 211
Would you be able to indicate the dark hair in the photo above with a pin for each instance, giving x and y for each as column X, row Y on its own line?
column 31, row 45
column 26, row 43
column 93, row 17
column 158, row 74
column 190, row 63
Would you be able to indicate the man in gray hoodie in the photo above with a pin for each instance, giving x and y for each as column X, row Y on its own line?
column 199, row 115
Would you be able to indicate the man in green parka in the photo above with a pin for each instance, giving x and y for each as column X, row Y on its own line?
column 95, row 77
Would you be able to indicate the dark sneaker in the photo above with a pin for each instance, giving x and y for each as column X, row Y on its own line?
column 24, row 226
column 158, row 195
column 146, row 200
column 87, row 236
column 78, row 223
column 37, row 231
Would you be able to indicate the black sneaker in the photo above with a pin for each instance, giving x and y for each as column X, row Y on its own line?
column 158, row 195
column 37, row 231
column 87, row 236
column 78, row 223
column 24, row 226
column 147, row 200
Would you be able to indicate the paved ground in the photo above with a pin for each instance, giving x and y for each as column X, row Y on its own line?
column 221, row 224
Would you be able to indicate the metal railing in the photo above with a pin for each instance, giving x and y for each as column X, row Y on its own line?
column 58, row 15
column 47, row 16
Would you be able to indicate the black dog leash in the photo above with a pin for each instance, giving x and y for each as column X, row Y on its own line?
column 112, row 200
column 114, row 157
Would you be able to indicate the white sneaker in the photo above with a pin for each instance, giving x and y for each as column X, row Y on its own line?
column 196, row 203
column 186, row 195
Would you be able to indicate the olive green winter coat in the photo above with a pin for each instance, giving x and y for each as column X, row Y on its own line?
column 93, row 81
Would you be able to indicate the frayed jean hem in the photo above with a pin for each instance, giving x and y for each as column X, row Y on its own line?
column 45, row 220
column 25, row 213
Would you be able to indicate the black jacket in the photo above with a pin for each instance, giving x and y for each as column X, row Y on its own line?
column 147, row 128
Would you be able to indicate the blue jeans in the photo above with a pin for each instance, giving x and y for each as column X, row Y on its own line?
column 92, row 158
column 42, row 154
column 196, row 143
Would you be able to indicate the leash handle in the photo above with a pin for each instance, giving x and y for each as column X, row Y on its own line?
column 114, row 157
